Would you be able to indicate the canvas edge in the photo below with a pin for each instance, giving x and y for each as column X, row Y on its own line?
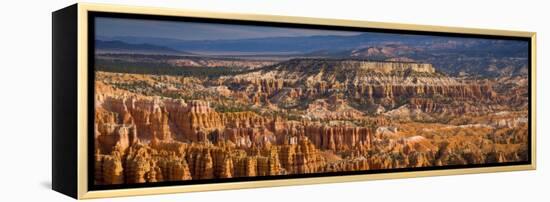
column 85, row 193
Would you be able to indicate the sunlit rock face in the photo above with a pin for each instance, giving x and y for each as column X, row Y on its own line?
column 302, row 116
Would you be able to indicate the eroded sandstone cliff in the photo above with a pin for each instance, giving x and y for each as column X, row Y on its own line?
column 303, row 116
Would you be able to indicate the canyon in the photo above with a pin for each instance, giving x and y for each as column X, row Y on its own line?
column 302, row 116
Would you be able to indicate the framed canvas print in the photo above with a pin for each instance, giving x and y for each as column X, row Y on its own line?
column 151, row 101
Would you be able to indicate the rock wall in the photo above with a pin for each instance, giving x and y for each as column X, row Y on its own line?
column 301, row 157
column 394, row 115
column 354, row 65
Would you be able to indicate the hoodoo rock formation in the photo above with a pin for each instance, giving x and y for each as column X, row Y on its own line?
column 302, row 116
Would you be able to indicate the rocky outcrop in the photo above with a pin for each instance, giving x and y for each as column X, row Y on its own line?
column 174, row 169
column 303, row 116
column 427, row 90
column 109, row 169
column 249, row 137
column 115, row 137
column 368, row 83
column 348, row 165
column 244, row 120
column 201, row 163
column 197, row 120
column 339, row 138
column 268, row 86
column 300, row 65
column 332, row 109
column 163, row 119
column 300, row 156
column 148, row 115
column 140, row 167
column 336, row 138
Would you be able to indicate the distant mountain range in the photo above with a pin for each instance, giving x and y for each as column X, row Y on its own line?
column 142, row 48
column 307, row 44
column 275, row 44
column 452, row 55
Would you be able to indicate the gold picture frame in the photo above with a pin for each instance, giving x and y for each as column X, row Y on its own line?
column 78, row 187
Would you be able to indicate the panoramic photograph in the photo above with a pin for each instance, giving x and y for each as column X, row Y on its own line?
column 197, row 101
